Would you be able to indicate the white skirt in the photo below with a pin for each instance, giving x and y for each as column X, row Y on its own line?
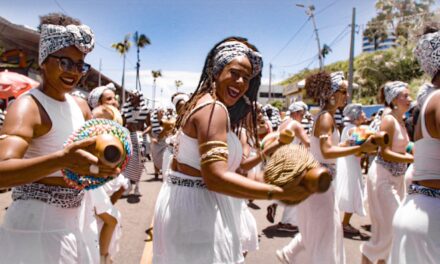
column 416, row 228
column 350, row 189
column 36, row 232
column 385, row 194
column 195, row 225
column 249, row 231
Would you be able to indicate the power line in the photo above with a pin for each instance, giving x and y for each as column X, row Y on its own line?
column 291, row 39
column 327, row 7
column 62, row 9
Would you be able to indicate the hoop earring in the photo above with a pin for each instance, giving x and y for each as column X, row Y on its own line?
column 332, row 101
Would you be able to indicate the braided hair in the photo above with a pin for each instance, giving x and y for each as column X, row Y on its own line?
column 241, row 108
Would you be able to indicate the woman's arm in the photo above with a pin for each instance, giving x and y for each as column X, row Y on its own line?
column 301, row 134
column 211, row 125
column 388, row 125
column 324, row 130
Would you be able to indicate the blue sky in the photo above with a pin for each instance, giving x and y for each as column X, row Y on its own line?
column 183, row 31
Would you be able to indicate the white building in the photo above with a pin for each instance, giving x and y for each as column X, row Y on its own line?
column 276, row 94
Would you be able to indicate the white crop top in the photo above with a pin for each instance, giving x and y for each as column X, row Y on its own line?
column 66, row 117
column 426, row 151
column 187, row 148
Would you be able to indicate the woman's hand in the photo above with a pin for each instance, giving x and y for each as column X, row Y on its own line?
column 76, row 158
column 368, row 146
column 294, row 192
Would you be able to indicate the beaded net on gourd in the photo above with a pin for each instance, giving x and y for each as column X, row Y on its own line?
column 287, row 164
column 95, row 127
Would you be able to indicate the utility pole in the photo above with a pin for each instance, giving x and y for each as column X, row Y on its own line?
column 351, row 59
column 309, row 12
column 270, row 83
column 100, row 69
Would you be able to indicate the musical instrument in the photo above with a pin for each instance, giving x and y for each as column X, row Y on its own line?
column 113, row 148
column 360, row 134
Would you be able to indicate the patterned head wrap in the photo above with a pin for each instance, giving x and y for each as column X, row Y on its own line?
column 337, row 79
column 352, row 111
column 297, row 106
column 427, row 53
column 392, row 90
column 229, row 50
column 95, row 94
column 423, row 93
column 56, row 37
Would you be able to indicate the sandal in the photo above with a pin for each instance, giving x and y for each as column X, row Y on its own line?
column 350, row 230
column 271, row 212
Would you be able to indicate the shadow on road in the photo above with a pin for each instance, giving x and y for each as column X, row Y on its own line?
column 132, row 198
column 154, row 179
column 272, row 231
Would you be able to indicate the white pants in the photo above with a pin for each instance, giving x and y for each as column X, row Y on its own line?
column 320, row 237
column 385, row 193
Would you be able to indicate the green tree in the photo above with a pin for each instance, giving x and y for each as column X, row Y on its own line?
column 178, row 83
column 123, row 48
column 155, row 74
column 140, row 41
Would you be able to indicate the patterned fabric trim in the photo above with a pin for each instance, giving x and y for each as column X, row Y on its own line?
column 395, row 168
column 173, row 179
column 331, row 168
column 415, row 188
column 54, row 195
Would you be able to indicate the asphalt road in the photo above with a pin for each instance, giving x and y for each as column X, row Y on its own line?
column 137, row 213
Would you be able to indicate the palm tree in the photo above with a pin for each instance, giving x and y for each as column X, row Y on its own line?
column 178, row 84
column 140, row 41
column 156, row 74
column 122, row 48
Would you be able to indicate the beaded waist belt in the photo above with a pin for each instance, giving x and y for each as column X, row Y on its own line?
column 54, row 195
column 395, row 168
column 331, row 168
column 192, row 183
column 415, row 188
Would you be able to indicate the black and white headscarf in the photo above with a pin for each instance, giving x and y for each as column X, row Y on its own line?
column 393, row 89
column 427, row 53
column 2, row 118
column 134, row 114
column 352, row 112
column 56, row 37
column 229, row 50
column 95, row 94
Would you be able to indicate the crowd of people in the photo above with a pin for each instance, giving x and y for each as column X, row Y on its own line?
column 209, row 152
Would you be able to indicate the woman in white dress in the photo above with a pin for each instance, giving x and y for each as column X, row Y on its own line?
column 320, row 235
column 349, row 183
column 385, row 182
column 42, row 225
column 196, row 219
column 416, row 224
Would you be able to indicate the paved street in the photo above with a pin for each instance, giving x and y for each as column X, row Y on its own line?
column 137, row 214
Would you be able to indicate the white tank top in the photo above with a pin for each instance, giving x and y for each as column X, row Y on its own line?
column 65, row 116
column 315, row 148
column 187, row 148
column 426, row 151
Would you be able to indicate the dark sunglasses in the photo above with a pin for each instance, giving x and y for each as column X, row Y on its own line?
column 67, row 64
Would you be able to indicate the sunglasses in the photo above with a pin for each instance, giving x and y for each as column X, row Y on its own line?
column 67, row 64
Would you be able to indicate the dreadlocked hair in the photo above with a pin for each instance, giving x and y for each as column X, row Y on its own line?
column 318, row 85
column 58, row 19
column 205, row 86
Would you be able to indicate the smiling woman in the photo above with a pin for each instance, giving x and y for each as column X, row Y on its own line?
column 44, row 217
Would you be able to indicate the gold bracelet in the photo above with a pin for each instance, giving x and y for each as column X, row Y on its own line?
column 213, row 142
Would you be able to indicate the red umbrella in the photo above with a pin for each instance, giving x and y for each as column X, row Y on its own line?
column 14, row 84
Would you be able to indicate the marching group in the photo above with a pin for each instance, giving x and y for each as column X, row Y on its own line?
column 210, row 156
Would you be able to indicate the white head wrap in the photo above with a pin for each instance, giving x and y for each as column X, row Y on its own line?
column 352, row 111
column 56, row 37
column 297, row 106
column 392, row 90
column 423, row 93
column 180, row 97
column 427, row 53
column 229, row 50
column 95, row 94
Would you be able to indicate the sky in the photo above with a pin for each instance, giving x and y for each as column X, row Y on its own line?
column 183, row 31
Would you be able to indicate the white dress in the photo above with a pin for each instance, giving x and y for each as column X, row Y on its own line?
column 349, row 186
column 320, row 231
column 193, row 224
